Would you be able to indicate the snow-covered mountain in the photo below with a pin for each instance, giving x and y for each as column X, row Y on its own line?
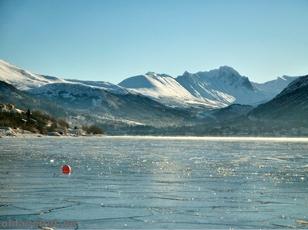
column 90, row 101
column 22, row 99
column 289, row 105
column 274, row 87
column 164, row 89
column 101, row 85
column 99, row 104
column 26, row 80
column 224, row 85
column 23, row 79
column 156, row 85
column 203, row 90
column 158, row 100
column 213, row 89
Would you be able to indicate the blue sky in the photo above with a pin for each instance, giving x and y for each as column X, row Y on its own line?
column 114, row 39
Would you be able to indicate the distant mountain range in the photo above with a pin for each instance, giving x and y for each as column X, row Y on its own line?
column 212, row 89
column 156, row 100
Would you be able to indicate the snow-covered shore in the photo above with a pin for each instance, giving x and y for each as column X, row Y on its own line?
column 171, row 138
column 10, row 132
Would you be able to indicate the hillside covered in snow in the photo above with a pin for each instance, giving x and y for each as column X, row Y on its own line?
column 224, row 85
column 165, row 89
column 23, row 79
column 153, row 102
column 212, row 89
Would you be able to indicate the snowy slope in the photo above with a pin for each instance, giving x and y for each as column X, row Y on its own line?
column 23, row 79
column 97, row 104
column 224, row 85
column 156, row 85
column 165, row 89
column 300, row 84
column 209, row 89
column 289, row 105
column 101, row 85
column 274, row 87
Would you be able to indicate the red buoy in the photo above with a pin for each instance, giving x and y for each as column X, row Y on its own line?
column 66, row 169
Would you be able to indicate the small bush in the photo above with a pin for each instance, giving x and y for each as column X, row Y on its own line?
column 63, row 123
column 92, row 129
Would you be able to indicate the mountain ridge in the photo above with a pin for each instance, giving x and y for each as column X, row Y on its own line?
column 165, row 89
column 204, row 89
column 291, row 104
column 164, row 105
column 224, row 84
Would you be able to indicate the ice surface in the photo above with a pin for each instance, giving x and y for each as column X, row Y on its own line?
column 145, row 183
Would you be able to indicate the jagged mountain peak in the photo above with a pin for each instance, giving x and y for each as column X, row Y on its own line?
column 228, row 69
column 222, row 69
column 223, row 84
column 224, row 74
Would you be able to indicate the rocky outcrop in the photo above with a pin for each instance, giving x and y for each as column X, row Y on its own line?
column 7, row 131
column 9, row 108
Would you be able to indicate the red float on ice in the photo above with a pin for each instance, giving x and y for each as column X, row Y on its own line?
column 66, row 169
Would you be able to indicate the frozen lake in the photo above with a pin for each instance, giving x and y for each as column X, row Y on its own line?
column 156, row 182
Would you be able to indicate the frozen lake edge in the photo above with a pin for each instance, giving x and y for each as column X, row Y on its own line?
column 190, row 138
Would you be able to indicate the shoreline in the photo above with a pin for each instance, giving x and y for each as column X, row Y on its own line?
column 149, row 137
column 216, row 138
